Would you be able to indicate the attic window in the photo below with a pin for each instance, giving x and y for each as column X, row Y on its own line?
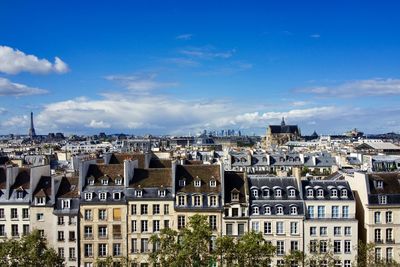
column 20, row 194
column 278, row 193
column 235, row 196
column 40, row 200
column 88, row 196
column 118, row 181
column 65, row 204
column 213, row 183
column 103, row 196
column 292, row 193
column 320, row 193
column 91, row 181
column 310, row 193
column 117, row 195
column 379, row 184
column 344, row 193
column 254, row 192
column 182, row 182
column 334, row 193
column 197, row 183
column 382, row 199
column 104, row 181
column 138, row 193
column 161, row 193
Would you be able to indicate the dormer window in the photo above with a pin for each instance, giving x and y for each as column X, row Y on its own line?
column 20, row 194
column 279, row 210
column 181, row 200
column 254, row 192
column 40, row 200
column 320, row 193
column 293, row 210
column 213, row 183
column 103, row 196
column 161, row 193
column 91, row 180
column 104, row 181
column 334, row 193
column 292, row 193
column 255, row 210
column 65, row 204
column 266, row 193
column 310, row 193
column 382, row 199
column 118, row 181
column 278, row 193
column 197, row 183
column 344, row 193
column 267, row 210
column 138, row 193
column 88, row 196
column 182, row 182
column 235, row 196
column 117, row 195
column 379, row 184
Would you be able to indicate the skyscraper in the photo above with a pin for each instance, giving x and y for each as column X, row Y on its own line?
column 32, row 133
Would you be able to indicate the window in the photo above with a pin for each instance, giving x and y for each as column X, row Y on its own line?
column 39, row 217
column 321, row 212
column 88, row 232
column 65, row 203
column 72, row 253
column 389, row 254
column 345, row 212
column 334, row 193
column 181, row 200
column 88, row 215
column 292, row 193
column 347, row 263
column 267, row 210
column 117, row 195
column 389, row 217
column 116, row 249
column 347, row 246
column 213, row 201
column 255, row 210
column 294, row 245
column 294, row 228
column 235, row 212
column 40, row 200
column 103, row 196
column 14, row 214
column 240, row 229
column 335, row 211
column 344, row 193
column 254, row 192
column 181, row 221
column 323, row 246
column 161, row 193
column 133, row 225
column 60, row 236
column 2, row 213
column 228, row 229
column 91, row 181
column 25, row 229
column 182, row 183
column 102, row 250
column 280, row 248
column 134, row 248
column 25, row 213
column 102, row 231
column 156, row 209
column 133, row 209
column 378, row 254
column 377, row 217
column 118, row 181
column 166, row 223
column 279, row 210
column 379, row 184
column 310, row 193
column 235, row 196
column 310, row 212
column 293, row 210
column 166, row 209
column 156, row 226
column 313, row 246
column 255, row 226
column 213, row 222
column 337, row 246
column 138, row 193
column 143, row 209
column 61, row 252
column 88, row 248
column 382, row 199
column 144, row 243
column 41, row 233
column 71, row 236
column 347, row 230
column 267, row 228
column 117, row 231
column 320, row 193
column 144, row 225
column 279, row 228
column 197, row 201
column 378, row 236
column 337, row 231
column 313, row 230
column 389, row 235
column 117, row 214
column 337, row 263
column 102, row 214
column 197, row 183
column 213, row 183
column 278, row 193
column 323, row 231
column 14, row 230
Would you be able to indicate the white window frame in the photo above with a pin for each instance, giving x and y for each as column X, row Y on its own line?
column 102, row 196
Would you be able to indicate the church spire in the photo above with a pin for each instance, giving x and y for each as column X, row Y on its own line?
column 283, row 121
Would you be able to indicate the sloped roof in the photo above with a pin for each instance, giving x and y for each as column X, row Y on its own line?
column 203, row 172
column 99, row 170
column 44, row 187
column 391, row 183
column 118, row 158
column 235, row 180
column 22, row 179
column 278, row 129
column 160, row 163
column 68, row 187
column 3, row 178
column 155, row 177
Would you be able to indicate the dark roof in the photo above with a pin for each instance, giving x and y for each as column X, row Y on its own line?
column 43, row 189
column 112, row 171
column 259, row 181
column 22, row 179
column 327, row 185
column 277, row 129
column 160, row 163
column 391, row 183
column 193, row 162
column 235, row 180
column 203, row 172
column 68, row 187
column 152, row 178
column 3, row 178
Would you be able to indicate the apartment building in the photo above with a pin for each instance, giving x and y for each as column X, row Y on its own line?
column 378, row 210
column 277, row 210
column 236, row 204
column 150, row 209
column 330, row 227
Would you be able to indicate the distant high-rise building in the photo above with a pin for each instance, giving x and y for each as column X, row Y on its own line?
column 32, row 133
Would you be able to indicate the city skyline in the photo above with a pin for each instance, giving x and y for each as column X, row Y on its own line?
column 175, row 67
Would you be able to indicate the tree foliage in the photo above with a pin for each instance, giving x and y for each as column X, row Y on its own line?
column 366, row 257
column 30, row 250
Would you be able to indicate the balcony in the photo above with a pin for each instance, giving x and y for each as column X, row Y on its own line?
column 390, row 241
column 103, row 236
column 378, row 241
column 72, row 239
column 72, row 258
column 88, row 236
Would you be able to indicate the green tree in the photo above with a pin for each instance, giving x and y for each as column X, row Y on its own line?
column 322, row 253
column 167, row 253
column 366, row 257
column 253, row 250
column 293, row 258
column 30, row 250
column 226, row 249
column 110, row 261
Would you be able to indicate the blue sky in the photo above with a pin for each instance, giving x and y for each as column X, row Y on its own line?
column 174, row 67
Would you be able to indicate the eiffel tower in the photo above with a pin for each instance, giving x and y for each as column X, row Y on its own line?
column 32, row 133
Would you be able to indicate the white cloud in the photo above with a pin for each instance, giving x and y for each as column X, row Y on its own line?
column 207, row 53
column 371, row 87
column 315, row 36
column 185, row 37
column 8, row 88
column 98, row 124
column 13, row 61
column 140, row 83
column 300, row 103
column 2, row 111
